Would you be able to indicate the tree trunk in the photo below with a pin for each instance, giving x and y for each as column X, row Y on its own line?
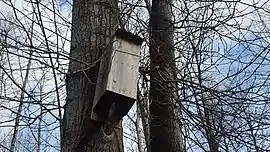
column 21, row 102
column 165, row 127
column 93, row 26
column 143, row 112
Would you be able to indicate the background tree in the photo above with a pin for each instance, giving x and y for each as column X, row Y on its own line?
column 165, row 128
column 31, row 82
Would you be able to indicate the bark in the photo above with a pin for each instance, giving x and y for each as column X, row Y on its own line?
column 139, row 133
column 209, row 128
column 39, row 122
column 165, row 128
column 93, row 26
column 143, row 112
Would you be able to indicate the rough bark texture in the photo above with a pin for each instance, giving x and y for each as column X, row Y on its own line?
column 165, row 127
column 143, row 112
column 94, row 23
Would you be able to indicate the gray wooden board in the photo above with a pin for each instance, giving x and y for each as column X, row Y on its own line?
column 118, row 77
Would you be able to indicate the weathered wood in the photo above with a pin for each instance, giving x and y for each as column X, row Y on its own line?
column 125, row 68
column 118, row 76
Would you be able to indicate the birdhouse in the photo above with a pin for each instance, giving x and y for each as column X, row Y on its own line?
column 117, row 79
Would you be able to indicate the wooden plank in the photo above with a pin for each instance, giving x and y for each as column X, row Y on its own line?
column 124, row 74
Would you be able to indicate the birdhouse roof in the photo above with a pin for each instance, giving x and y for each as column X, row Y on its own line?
column 121, row 33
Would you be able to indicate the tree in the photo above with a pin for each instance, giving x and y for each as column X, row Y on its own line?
column 165, row 128
column 94, row 24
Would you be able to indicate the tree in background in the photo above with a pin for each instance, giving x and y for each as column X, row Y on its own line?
column 165, row 129
column 32, row 90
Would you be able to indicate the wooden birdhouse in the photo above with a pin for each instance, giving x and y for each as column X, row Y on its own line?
column 117, row 79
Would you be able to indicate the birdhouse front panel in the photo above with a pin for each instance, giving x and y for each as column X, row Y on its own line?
column 123, row 74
